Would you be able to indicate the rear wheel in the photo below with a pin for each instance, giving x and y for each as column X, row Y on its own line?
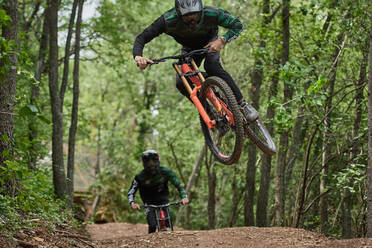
column 225, row 140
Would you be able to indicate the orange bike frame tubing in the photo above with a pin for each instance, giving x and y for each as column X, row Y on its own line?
column 220, row 105
column 198, row 80
column 193, row 96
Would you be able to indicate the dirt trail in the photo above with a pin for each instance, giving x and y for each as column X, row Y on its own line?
column 130, row 235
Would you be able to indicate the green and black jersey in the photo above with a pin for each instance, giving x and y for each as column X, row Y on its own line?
column 154, row 189
column 195, row 38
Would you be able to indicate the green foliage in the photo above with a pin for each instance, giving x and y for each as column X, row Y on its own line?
column 34, row 200
column 351, row 178
column 4, row 18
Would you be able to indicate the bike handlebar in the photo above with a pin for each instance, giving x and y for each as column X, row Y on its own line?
column 181, row 56
column 161, row 206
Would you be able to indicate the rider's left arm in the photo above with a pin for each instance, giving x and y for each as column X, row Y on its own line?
column 174, row 180
column 233, row 24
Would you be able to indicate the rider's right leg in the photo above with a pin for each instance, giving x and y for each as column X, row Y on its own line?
column 214, row 68
column 151, row 219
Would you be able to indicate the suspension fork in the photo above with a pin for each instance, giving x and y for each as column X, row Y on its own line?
column 193, row 92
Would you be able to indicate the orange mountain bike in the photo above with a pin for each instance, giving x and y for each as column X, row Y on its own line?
column 223, row 125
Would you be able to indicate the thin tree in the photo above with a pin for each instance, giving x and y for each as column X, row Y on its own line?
column 59, row 177
column 75, row 105
column 256, row 79
column 40, row 64
column 326, row 136
column 369, row 170
column 359, row 97
column 66, row 59
column 265, row 169
column 8, row 82
column 212, row 183
column 284, row 137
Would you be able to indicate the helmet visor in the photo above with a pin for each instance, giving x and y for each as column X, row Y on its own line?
column 151, row 166
column 151, row 156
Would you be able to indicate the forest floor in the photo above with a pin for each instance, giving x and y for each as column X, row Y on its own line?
column 135, row 235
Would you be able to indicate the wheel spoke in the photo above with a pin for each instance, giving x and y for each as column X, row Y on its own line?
column 226, row 138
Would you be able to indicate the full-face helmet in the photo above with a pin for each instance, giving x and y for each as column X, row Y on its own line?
column 151, row 161
column 190, row 11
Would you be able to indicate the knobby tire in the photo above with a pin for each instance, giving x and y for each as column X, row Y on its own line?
column 238, row 128
column 259, row 135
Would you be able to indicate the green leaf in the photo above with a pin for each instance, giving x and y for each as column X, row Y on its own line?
column 33, row 108
column 45, row 120
column 25, row 111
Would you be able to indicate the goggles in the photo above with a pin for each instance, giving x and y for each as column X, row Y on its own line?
column 149, row 157
column 191, row 18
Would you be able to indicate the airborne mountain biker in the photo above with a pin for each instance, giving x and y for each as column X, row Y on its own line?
column 195, row 27
column 152, row 183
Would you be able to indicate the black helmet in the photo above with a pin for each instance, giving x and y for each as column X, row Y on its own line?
column 184, row 7
column 150, row 155
column 151, row 163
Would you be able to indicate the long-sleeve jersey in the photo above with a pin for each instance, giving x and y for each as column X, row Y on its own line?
column 154, row 189
column 196, row 38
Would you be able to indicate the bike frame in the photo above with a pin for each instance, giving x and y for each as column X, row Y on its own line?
column 162, row 217
column 162, row 214
column 196, row 77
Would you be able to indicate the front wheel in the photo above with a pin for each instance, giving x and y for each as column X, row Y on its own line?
column 258, row 134
column 225, row 140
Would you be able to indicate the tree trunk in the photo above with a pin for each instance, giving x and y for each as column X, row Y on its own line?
column 295, row 148
column 323, row 201
column 250, row 185
column 359, row 87
column 237, row 194
column 34, row 150
column 256, row 78
column 59, row 177
column 66, row 59
column 75, row 106
column 369, row 170
column 8, row 92
column 212, row 182
column 283, row 142
column 188, row 217
column 97, row 166
column 263, row 192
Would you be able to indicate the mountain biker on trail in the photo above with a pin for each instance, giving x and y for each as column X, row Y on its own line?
column 195, row 26
column 152, row 183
